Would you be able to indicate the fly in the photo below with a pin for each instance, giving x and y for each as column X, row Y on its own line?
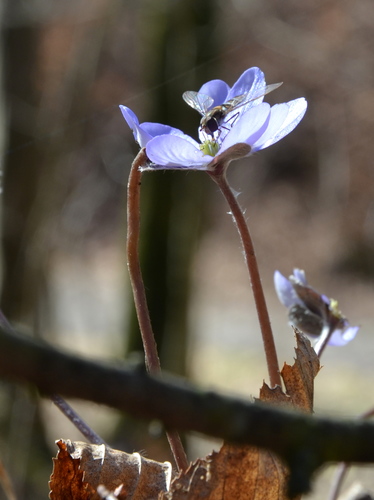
column 212, row 118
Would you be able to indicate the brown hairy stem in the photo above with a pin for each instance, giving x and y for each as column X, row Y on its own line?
column 133, row 264
column 150, row 348
column 219, row 176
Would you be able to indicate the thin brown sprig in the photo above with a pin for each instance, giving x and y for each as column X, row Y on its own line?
column 77, row 420
column 150, row 348
column 63, row 405
column 343, row 467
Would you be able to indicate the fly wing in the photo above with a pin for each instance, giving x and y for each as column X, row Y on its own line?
column 199, row 102
column 237, row 101
column 242, row 99
column 265, row 90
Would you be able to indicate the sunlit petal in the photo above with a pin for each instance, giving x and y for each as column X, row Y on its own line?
column 284, row 118
column 171, row 151
column 248, row 127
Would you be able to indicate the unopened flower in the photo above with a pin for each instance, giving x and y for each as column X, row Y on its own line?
column 310, row 311
column 254, row 123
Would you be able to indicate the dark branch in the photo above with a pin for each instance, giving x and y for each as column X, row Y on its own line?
column 303, row 441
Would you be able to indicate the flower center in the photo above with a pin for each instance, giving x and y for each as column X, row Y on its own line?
column 209, row 147
column 333, row 306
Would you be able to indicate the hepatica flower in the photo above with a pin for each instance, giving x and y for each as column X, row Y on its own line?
column 310, row 311
column 241, row 118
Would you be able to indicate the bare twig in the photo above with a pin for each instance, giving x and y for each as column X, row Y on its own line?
column 343, row 468
column 305, row 442
column 337, row 481
column 77, row 420
column 62, row 405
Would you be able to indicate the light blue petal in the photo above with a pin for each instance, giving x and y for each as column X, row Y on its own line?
column 144, row 132
column 172, row 151
column 248, row 127
column 286, row 293
column 155, row 129
column 299, row 275
column 343, row 336
column 129, row 116
column 278, row 115
column 295, row 111
column 140, row 135
column 250, row 82
column 325, row 299
column 217, row 90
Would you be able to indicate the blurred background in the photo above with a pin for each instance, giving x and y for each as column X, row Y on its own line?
column 66, row 154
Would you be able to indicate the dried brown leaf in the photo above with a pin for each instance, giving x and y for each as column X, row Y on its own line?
column 234, row 473
column 80, row 468
column 67, row 477
column 274, row 395
column 246, row 472
column 299, row 378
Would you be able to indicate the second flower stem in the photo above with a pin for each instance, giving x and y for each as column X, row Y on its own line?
column 149, row 343
column 323, row 340
column 219, row 176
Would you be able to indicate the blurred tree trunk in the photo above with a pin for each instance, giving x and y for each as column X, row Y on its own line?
column 22, row 171
column 21, row 421
column 49, row 71
column 2, row 121
column 49, row 68
column 2, row 103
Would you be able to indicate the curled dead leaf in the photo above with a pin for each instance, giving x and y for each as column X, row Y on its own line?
column 67, row 477
column 80, row 468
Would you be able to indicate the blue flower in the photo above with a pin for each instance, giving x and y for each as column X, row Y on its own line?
column 255, row 123
column 310, row 311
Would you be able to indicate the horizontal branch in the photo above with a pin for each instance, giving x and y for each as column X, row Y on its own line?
column 304, row 442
